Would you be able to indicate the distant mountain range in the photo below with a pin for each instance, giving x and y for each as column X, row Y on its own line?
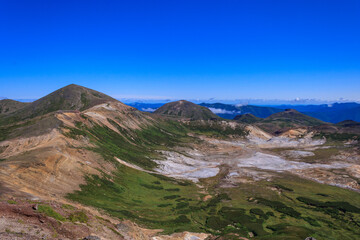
column 332, row 113
column 319, row 108
column 337, row 115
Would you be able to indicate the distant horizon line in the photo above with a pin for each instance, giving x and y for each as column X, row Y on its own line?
column 244, row 101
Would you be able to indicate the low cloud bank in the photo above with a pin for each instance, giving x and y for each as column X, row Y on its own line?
column 148, row 109
column 223, row 111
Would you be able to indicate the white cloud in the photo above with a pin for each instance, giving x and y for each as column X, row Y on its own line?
column 148, row 109
column 223, row 111
column 240, row 104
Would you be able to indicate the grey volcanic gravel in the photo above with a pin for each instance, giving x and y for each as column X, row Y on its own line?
column 271, row 162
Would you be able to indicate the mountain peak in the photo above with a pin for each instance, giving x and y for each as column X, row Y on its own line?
column 187, row 110
column 290, row 110
column 73, row 87
column 293, row 115
column 70, row 97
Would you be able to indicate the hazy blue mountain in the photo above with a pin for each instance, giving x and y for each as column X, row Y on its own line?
column 337, row 115
column 321, row 107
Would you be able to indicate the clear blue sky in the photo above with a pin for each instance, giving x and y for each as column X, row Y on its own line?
column 182, row 49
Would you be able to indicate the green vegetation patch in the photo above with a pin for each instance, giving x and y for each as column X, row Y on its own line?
column 153, row 206
column 242, row 222
column 336, row 137
column 280, row 207
column 68, row 207
column 173, row 189
column 340, row 206
column 79, row 216
column 258, row 212
column 342, row 211
column 149, row 186
column 50, row 212
column 216, row 223
column 287, row 231
column 283, row 187
column 10, row 201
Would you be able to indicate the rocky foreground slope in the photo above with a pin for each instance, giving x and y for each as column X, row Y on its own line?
column 92, row 166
